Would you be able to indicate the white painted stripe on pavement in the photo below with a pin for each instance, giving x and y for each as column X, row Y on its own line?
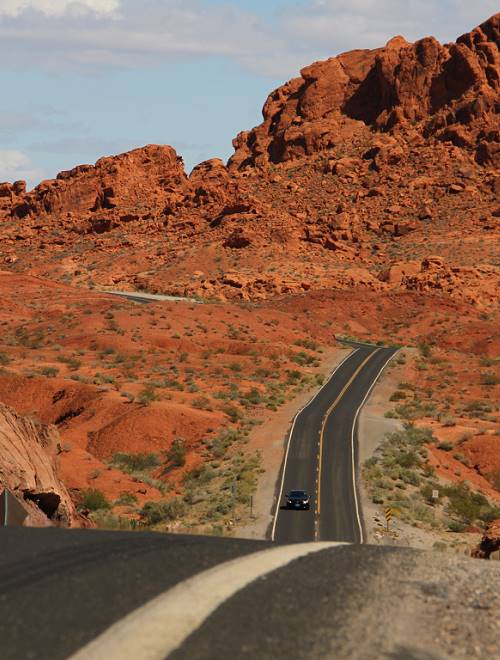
column 276, row 513
column 353, row 457
column 155, row 630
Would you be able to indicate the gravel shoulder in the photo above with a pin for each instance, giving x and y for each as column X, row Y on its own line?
column 270, row 440
column 372, row 428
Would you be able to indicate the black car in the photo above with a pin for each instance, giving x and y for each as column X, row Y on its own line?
column 297, row 499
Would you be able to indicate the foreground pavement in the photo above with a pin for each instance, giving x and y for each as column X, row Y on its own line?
column 62, row 589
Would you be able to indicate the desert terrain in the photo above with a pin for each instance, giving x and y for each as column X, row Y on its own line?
column 364, row 206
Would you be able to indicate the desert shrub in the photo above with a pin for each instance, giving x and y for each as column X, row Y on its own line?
column 489, row 379
column 198, row 476
column 424, row 350
column 232, row 412
column 132, row 463
column 477, row 408
column 304, row 359
column 222, row 442
column 251, row 398
column 147, row 396
column 153, row 513
column 406, row 386
column 446, row 445
column 293, row 376
column 126, row 499
column 307, row 343
column 106, row 520
column 4, row 359
column 456, row 526
column 176, row 455
column 94, row 500
column 463, row 459
column 397, row 396
column 415, row 410
column 201, row 402
column 495, row 480
column 50, row 372
column 467, row 506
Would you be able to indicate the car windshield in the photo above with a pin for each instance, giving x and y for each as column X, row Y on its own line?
column 298, row 493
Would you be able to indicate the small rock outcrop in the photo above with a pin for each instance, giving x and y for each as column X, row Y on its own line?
column 28, row 469
column 490, row 542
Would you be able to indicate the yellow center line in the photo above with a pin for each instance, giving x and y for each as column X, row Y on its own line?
column 325, row 419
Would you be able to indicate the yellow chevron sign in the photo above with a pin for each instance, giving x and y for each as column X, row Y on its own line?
column 389, row 513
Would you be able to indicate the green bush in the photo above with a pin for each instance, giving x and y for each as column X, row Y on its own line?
column 222, row 442
column 50, row 372
column 467, row 506
column 154, row 513
column 176, row 455
column 4, row 359
column 425, row 350
column 135, row 462
column 104, row 519
column 307, row 343
column 126, row 499
column 304, row 359
column 202, row 403
column 397, row 396
column 446, row 445
column 94, row 500
column 489, row 379
column 146, row 396
column 232, row 412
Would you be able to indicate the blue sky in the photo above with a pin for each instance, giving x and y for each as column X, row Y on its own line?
column 90, row 78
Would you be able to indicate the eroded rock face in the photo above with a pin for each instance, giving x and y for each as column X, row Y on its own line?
column 137, row 184
column 490, row 542
column 28, row 469
column 447, row 91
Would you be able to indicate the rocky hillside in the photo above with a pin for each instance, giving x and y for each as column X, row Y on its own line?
column 28, row 468
column 366, row 204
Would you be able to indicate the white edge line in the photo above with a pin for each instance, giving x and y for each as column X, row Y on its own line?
column 156, row 629
column 290, row 434
column 358, row 515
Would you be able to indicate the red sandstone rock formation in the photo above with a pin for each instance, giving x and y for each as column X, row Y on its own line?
column 137, row 184
column 490, row 542
column 447, row 91
column 28, row 469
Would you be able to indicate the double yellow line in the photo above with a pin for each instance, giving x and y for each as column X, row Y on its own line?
column 325, row 420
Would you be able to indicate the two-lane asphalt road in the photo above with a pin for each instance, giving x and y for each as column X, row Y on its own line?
column 89, row 595
column 321, row 455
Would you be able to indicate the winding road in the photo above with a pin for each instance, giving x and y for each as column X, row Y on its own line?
column 321, row 455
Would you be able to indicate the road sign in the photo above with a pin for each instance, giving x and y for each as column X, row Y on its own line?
column 389, row 513
column 11, row 511
column 435, row 494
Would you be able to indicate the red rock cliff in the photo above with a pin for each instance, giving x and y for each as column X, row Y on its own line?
column 447, row 91
column 28, row 469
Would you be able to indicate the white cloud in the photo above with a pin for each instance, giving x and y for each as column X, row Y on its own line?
column 95, row 35
column 346, row 24
column 15, row 165
column 57, row 7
